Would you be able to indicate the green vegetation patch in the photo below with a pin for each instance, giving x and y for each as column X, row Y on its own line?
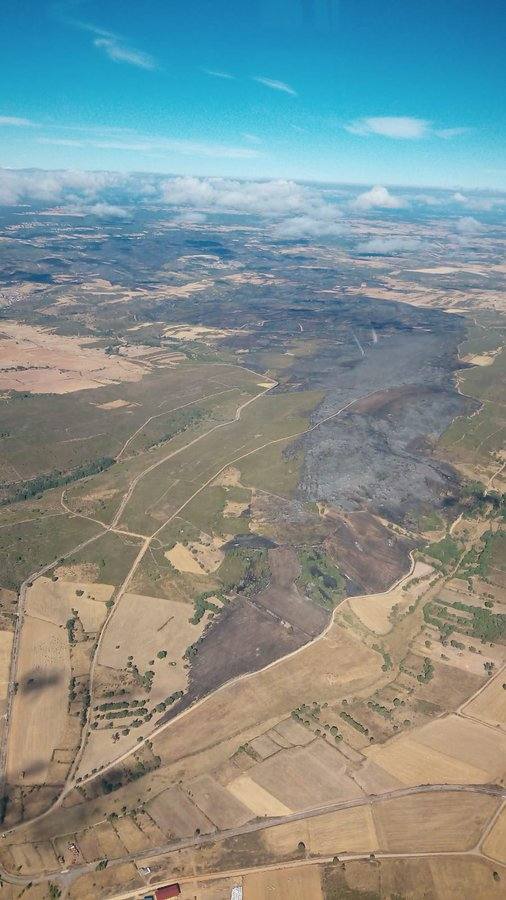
column 36, row 486
column 446, row 551
column 203, row 605
column 320, row 579
column 481, row 623
column 353, row 722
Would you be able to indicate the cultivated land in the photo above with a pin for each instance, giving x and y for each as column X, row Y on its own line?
column 253, row 592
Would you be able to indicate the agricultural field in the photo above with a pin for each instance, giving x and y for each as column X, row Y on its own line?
column 253, row 583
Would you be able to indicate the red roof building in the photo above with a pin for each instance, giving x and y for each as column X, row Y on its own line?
column 170, row 890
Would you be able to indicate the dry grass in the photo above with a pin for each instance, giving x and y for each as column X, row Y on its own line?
column 466, row 660
column 199, row 558
column 448, row 751
column 411, row 764
column 345, row 831
column 176, row 815
column 494, row 844
column 306, row 777
column 40, row 705
column 53, row 601
column 131, row 835
column 432, row 822
column 6, row 638
column 142, row 627
column 220, row 806
column 256, row 798
column 301, row 883
column 374, row 610
column 490, row 705
column 335, row 664
column 33, row 858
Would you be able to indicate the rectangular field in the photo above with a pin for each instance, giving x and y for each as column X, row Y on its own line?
column 40, row 704
column 436, row 821
column 220, row 806
column 305, row 777
column 284, row 884
column 490, row 705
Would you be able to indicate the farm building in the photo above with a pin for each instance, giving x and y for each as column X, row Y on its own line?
column 169, row 890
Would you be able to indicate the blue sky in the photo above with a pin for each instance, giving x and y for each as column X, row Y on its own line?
column 367, row 91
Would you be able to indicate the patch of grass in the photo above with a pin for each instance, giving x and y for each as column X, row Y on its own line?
column 431, row 521
column 27, row 547
column 320, row 579
column 446, row 550
column 113, row 554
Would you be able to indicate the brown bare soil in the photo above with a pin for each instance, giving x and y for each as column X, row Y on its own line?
column 39, row 361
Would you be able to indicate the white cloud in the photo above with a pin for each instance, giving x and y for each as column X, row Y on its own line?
column 121, row 53
column 22, row 186
column 479, row 203
column 217, row 74
column 274, row 199
column 294, row 210
column 105, row 211
column 401, row 128
column 275, row 85
column 450, row 132
column 469, row 225
column 157, row 145
column 291, row 210
column 308, row 227
column 388, row 245
column 16, row 121
column 271, row 198
column 114, row 45
column 377, row 198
